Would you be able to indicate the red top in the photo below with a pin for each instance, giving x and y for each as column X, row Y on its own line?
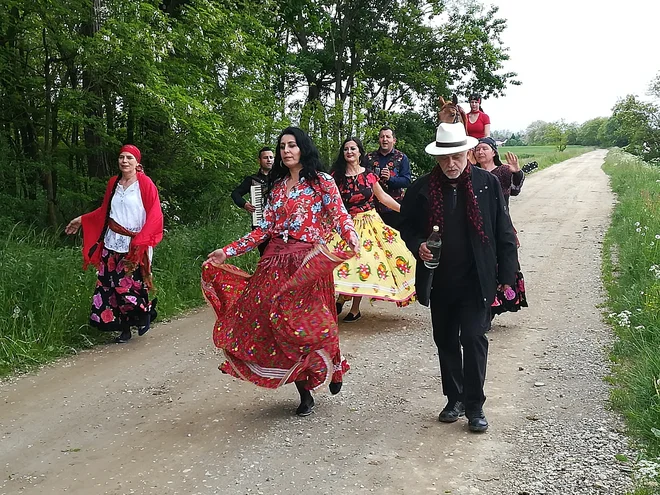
column 357, row 192
column 309, row 213
column 150, row 235
column 477, row 129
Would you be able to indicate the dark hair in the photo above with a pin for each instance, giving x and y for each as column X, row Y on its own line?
column 309, row 156
column 493, row 145
column 265, row 148
column 387, row 128
column 476, row 97
column 339, row 166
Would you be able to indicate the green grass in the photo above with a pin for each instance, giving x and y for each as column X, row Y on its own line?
column 45, row 296
column 544, row 155
column 631, row 273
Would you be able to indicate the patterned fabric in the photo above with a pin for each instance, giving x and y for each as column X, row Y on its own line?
column 357, row 192
column 120, row 299
column 383, row 269
column 518, row 299
column 508, row 181
column 280, row 324
column 308, row 213
column 437, row 180
column 400, row 178
column 511, row 301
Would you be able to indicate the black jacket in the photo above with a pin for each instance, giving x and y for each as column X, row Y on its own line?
column 244, row 187
column 496, row 261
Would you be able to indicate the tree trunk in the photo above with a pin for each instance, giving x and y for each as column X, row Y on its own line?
column 50, row 125
column 97, row 163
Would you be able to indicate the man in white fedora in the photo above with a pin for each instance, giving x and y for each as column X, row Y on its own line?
column 478, row 253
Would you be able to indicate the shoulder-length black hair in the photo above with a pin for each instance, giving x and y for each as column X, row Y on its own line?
column 339, row 166
column 309, row 156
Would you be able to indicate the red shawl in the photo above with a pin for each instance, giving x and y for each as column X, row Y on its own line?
column 93, row 224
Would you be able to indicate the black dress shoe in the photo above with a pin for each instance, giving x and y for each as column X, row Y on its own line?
column 351, row 317
column 477, row 422
column 124, row 337
column 340, row 307
column 452, row 411
column 335, row 387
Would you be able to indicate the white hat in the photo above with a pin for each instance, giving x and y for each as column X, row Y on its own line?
column 450, row 139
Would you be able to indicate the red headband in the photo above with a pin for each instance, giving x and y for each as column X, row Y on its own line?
column 129, row 148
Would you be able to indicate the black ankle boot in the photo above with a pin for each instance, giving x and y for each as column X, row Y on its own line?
column 306, row 400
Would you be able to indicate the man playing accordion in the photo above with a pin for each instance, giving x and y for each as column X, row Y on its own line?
column 257, row 186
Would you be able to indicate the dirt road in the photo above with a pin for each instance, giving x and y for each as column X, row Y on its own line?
column 155, row 415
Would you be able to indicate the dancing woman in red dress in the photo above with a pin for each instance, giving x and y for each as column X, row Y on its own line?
column 279, row 325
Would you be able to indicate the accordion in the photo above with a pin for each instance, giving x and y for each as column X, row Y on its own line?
column 257, row 198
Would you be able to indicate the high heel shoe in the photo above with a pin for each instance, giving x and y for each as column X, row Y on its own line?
column 335, row 387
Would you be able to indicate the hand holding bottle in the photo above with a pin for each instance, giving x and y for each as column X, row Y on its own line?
column 432, row 248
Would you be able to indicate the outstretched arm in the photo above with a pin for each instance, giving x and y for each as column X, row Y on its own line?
column 385, row 198
column 73, row 226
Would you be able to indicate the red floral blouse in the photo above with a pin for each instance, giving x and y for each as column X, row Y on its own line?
column 357, row 192
column 309, row 213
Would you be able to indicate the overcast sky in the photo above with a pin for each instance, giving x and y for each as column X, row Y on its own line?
column 575, row 58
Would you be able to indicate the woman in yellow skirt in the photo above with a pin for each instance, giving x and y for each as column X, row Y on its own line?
column 384, row 268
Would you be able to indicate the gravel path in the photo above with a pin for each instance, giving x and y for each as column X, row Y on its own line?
column 155, row 416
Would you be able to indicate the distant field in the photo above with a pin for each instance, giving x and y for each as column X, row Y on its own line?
column 544, row 155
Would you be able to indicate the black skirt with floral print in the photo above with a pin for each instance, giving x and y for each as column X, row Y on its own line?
column 511, row 300
column 120, row 300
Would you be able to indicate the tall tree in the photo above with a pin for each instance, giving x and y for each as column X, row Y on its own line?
column 588, row 132
column 392, row 53
column 635, row 125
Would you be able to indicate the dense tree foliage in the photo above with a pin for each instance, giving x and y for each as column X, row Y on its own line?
column 201, row 85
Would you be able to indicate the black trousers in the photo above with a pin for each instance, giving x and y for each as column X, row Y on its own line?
column 460, row 322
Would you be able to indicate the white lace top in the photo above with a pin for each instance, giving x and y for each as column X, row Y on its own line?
column 127, row 209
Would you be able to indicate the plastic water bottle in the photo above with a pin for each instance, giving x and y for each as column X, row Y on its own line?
column 434, row 244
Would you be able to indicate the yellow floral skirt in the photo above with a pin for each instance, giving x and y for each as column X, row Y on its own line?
column 383, row 269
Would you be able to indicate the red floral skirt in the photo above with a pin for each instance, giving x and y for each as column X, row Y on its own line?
column 280, row 324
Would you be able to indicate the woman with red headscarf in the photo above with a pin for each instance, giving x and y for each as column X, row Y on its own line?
column 118, row 239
